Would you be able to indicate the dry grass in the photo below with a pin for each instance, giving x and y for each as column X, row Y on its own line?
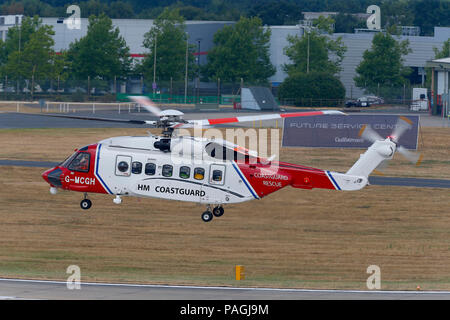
column 292, row 238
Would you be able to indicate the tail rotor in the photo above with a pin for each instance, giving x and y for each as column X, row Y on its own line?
column 403, row 124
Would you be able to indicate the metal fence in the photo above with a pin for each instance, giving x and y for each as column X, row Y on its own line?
column 169, row 92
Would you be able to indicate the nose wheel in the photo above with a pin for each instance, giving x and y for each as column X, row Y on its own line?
column 85, row 204
column 209, row 214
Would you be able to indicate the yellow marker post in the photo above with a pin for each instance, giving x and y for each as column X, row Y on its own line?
column 240, row 273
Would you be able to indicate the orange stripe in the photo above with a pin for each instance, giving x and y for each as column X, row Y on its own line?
column 406, row 120
column 362, row 130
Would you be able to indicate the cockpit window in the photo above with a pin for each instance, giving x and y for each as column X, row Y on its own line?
column 80, row 162
column 68, row 160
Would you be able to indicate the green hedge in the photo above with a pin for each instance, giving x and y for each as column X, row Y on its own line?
column 312, row 87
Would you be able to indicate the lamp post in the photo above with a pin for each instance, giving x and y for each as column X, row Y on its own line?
column 198, row 69
column 186, row 71
column 154, row 66
column 307, row 50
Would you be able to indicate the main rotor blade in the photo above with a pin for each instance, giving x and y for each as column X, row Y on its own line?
column 402, row 125
column 367, row 133
column 261, row 117
column 100, row 119
column 147, row 104
column 414, row 157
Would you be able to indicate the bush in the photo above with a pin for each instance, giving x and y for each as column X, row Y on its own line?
column 313, row 89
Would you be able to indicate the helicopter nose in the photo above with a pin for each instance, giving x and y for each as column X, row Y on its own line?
column 45, row 175
column 53, row 177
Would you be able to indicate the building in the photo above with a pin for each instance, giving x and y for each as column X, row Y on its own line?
column 357, row 43
column 201, row 34
column 7, row 22
column 440, row 84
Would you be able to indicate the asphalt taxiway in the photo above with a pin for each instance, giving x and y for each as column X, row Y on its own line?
column 58, row 290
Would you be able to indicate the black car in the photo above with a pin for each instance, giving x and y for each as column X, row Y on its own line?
column 351, row 103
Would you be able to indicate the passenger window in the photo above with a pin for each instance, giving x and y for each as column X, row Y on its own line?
column 136, row 167
column 80, row 162
column 217, row 175
column 150, row 169
column 199, row 173
column 122, row 166
column 167, row 170
column 185, row 172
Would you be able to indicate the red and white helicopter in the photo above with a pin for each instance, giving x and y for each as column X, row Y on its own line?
column 211, row 172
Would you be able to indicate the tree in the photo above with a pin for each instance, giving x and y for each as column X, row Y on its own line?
column 382, row 64
column 101, row 54
column 93, row 8
column 35, row 59
column 347, row 23
column 241, row 51
column 444, row 52
column 276, row 12
column 319, row 45
column 169, row 38
column 396, row 12
column 18, row 36
column 311, row 88
column 430, row 13
column 120, row 10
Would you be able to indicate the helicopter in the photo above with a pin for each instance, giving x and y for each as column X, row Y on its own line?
column 212, row 172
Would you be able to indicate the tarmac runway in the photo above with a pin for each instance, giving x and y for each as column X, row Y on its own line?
column 13, row 120
column 58, row 290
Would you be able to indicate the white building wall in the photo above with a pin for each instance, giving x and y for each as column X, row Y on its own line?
column 422, row 50
column 133, row 31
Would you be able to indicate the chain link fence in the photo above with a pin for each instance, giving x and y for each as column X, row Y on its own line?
column 95, row 91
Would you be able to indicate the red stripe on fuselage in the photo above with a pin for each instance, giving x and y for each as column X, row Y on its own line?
column 222, row 120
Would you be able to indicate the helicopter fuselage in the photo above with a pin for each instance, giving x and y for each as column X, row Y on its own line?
column 133, row 166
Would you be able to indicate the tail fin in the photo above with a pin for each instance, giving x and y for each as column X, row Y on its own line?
column 379, row 152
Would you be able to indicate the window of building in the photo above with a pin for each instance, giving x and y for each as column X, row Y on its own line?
column 80, row 162
column 185, row 172
column 199, row 173
column 136, row 167
column 150, row 169
column 167, row 170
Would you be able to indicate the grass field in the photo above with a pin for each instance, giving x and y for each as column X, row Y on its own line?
column 292, row 238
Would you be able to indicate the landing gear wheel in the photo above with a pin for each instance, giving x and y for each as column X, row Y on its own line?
column 218, row 211
column 85, row 204
column 207, row 216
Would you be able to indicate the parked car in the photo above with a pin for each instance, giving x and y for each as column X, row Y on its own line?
column 351, row 103
column 362, row 102
column 367, row 101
